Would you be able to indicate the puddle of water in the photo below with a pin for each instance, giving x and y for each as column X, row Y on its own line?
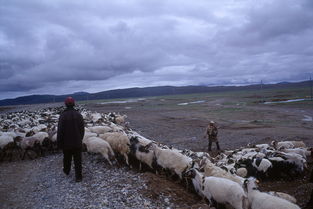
column 287, row 101
column 307, row 118
column 123, row 101
column 197, row 102
column 194, row 102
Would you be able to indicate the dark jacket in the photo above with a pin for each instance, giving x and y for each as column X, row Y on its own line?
column 71, row 129
column 212, row 133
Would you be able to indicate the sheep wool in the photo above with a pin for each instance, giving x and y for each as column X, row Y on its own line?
column 97, row 145
column 4, row 140
column 262, row 200
column 225, row 191
column 119, row 143
column 172, row 160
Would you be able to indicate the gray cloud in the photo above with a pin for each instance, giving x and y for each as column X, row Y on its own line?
column 65, row 46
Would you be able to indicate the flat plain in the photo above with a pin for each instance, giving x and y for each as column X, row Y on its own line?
column 242, row 117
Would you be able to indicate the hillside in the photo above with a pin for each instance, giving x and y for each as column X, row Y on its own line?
column 143, row 92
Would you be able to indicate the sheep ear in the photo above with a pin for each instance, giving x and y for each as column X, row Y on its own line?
column 193, row 173
column 245, row 183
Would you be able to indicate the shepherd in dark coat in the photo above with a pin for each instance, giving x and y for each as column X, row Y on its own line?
column 211, row 133
column 71, row 131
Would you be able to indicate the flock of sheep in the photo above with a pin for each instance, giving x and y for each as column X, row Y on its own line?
column 227, row 179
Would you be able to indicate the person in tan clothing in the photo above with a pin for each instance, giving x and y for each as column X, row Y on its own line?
column 211, row 133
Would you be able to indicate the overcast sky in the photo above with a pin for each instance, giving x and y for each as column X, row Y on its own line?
column 58, row 46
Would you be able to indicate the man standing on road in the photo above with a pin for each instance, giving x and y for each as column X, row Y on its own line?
column 211, row 133
column 71, row 131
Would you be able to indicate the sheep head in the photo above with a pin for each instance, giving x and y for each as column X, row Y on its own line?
column 190, row 173
column 250, row 184
column 30, row 133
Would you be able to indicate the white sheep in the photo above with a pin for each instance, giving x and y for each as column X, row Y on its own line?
column 6, row 143
column 303, row 152
column 87, row 135
column 120, row 119
column 142, row 140
column 119, row 143
column 225, row 191
column 283, row 196
column 100, row 129
column 197, row 179
column 142, row 151
column 97, row 145
column 263, row 165
column 95, row 117
column 283, row 144
column 221, row 190
column 39, row 128
column 5, row 139
column 9, row 133
column 294, row 158
column 212, row 170
column 116, row 128
column 172, row 160
column 29, row 143
column 262, row 146
column 298, row 144
column 242, row 172
column 40, row 136
column 262, row 200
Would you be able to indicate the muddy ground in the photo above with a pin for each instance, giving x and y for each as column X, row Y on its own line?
column 181, row 121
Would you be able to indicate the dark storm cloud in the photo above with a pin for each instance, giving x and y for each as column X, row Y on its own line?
column 65, row 46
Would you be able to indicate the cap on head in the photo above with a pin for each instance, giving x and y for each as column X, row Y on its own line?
column 69, row 102
column 211, row 122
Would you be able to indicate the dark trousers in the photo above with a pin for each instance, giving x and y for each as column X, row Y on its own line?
column 210, row 145
column 309, row 205
column 76, row 154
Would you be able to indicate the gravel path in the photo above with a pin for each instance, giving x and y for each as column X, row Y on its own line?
column 40, row 183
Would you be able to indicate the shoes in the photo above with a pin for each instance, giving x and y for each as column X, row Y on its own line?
column 79, row 179
column 66, row 172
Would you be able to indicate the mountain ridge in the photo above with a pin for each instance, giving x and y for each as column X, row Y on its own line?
column 142, row 92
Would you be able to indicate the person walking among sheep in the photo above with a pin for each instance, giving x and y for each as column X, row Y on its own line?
column 70, row 134
column 211, row 134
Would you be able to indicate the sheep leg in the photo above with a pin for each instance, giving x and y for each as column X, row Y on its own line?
column 20, row 152
column 187, row 184
column 42, row 152
column 2, row 156
column 30, row 157
column 25, row 152
column 99, row 159
column 10, row 154
column 36, row 149
column 126, row 159
column 108, row 159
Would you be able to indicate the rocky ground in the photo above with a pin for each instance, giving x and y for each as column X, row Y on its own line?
column 40, row 183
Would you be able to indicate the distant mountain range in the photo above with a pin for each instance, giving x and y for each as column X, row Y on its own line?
column 142, row 92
